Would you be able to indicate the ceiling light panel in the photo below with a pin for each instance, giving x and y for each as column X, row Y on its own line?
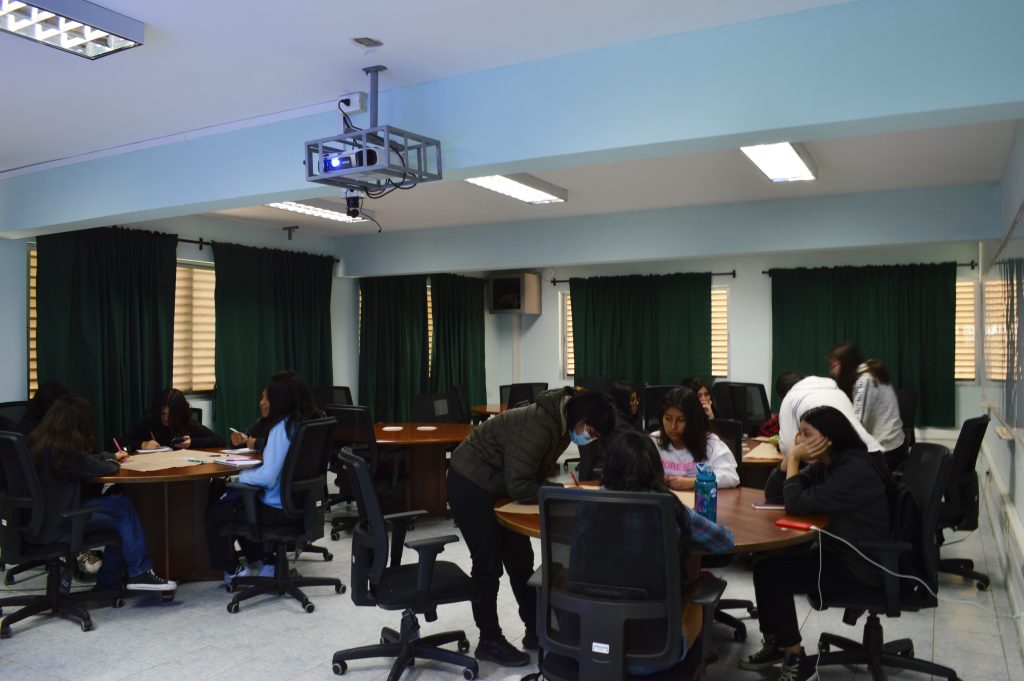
column 522, row 187
column 782, row 162
column 313, row 211
column 74, row 26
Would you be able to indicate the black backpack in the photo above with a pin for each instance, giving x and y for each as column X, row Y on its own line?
column 905, row 518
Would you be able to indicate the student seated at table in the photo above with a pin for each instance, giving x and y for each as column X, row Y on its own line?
column 170, row 424
column 684, row 441
column 46, row 394
column 255, row 436
column 61, row 448
column 849, row 485
column 627, row 405
column 290, row 403
column 698, row 386
column 868, row 385
column 633, row 464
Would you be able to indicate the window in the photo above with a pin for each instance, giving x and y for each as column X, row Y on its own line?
column 963, row 352
column 719, row 333
column 995, row 330
column 33, row 366
column 195, row 332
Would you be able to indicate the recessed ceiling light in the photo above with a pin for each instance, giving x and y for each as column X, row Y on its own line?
column 367, row 42
column 782, row 162
column 522, row 187
column 75, row 26
column 313, row 211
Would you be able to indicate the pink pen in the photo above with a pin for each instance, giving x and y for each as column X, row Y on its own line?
column 119, row 447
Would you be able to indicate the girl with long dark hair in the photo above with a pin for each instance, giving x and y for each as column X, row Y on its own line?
column 255, row 436
column 685, row 440
column 828, row 471
column 170, row 424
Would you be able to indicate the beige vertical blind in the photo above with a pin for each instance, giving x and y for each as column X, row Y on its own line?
column 195, row 333
column 568, row 348
column 33, row 361
column 963, row 351
column 719, row 331
column 995, row 330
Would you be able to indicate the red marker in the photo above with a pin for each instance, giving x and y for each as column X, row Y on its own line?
column 793, row 524
column 575, row 481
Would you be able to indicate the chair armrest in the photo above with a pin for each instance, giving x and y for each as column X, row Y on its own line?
column 428, row 549
column 399, row 528
column 77, row 517
column 888, row 556
column 708, row 594
column 248, row 494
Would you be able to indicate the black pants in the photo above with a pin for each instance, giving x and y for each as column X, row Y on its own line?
column 779, row 578
column 229, row 510
column 491, row 546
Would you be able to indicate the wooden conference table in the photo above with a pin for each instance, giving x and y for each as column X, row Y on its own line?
column 488, row 409
column 427, row 443
column 755, row 530
column 171, row 503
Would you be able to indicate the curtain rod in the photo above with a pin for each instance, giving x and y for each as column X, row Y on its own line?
column 203, row 242
column 972, row 264
column 555, row 282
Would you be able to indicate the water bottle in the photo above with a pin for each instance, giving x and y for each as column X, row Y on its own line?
column 706, row 492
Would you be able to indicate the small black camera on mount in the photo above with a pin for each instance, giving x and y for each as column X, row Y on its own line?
column 353, row 202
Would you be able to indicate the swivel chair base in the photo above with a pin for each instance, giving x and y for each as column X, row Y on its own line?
column 284, row 582
column 965, row 568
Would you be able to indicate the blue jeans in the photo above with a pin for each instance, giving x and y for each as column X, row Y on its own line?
column 116, row 513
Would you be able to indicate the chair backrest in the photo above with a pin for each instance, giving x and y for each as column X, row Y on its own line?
column 906, row 400
column 436, row 408
column 462, row 392
column 519, row 395
column 197, row 414
column 11, row 413
column 611, row 586
column 730, row 431
column 961, row 499
column 743, row 402
column 21, row 497
column 594, row 383
column 370, row 536
column 355, row 430
column 338, row 394
column 304, row 473
column 926, row 474
column 650, row 403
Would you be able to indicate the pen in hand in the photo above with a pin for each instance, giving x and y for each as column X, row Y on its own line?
column 574, row 480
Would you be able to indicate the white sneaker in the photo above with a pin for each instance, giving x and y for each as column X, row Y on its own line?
column 240, row 571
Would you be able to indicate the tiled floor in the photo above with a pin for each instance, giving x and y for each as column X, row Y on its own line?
column 274, row 640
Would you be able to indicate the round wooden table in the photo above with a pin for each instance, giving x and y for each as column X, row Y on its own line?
column 755, row 530
column 489, row 409
column 427, row 443
column 172, row 505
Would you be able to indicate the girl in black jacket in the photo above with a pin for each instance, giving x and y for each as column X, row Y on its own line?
column 170, row 424
column 61, row 448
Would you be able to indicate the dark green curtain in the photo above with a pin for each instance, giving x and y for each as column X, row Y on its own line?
column 105, row 302
column 393, row 345
column 645, row 329
column 273, row 313
column 458, row 354
column 902, row 315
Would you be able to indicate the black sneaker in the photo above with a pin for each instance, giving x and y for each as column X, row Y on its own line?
column 530, row 640
column 770, row 655
column 500, row 651
column 149, row 581
column 798, row 667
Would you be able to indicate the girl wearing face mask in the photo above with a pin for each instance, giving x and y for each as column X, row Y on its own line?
column 684, row 441
column 255, row 436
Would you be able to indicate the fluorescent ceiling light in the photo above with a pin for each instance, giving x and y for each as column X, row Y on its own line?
column 75, row 26
column 522, row 187
column 782, row 162
column 313, row 211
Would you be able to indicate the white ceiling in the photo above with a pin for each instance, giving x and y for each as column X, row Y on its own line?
column 207, row 63
column 920, row 158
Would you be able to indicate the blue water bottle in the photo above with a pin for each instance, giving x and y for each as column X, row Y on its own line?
column 706, row 492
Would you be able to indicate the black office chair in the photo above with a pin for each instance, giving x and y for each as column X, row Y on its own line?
column 743, row 402
column 197, row 414
column 21, row 521
column 650, row 404
column 436, row 408
column 303, row 488
column 338, row 394
column 11, row 413
column 906, row 400
column 415, row 589
column 926, row 475
column 610, row 591
column 520, row 394
column 355, row 430
column 959, row 510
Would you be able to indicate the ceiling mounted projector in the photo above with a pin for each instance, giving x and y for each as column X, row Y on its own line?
column 376, row 160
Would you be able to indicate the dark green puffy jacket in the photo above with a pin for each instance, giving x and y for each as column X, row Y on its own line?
column 511, row 454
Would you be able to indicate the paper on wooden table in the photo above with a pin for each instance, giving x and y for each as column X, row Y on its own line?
column 763, row 452
column 160, row 461
column 516, row 507
column 687, row 497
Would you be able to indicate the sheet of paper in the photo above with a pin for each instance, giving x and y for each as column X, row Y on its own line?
column 154, row 451
column 240, row 450
column 763, row 452
column 159, row 461
column 686, row 497
column 516, row 507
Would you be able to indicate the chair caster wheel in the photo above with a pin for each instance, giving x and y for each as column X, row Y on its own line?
column 908, row 653
column 335, row 536
column 752, row 612
column 328, row 557
column 339, row 589
column 233, row 608
column 982, row 586
column 117, row 602
column 167, row 596
column 86, row 625
column 6, row 632
column 339, row 668
column 309, row 607
column 739, row 635
column 464, row 646
column 824, row 648
column 468, row 673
